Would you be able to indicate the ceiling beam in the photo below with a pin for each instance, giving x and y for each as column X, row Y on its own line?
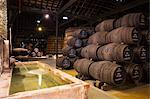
column 122, row 8
column 67, row 22
column 67, row 5
column 80, row 17
column 31, row 9
column 131, row 5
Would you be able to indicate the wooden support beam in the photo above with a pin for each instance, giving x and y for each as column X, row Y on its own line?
column 131, row 5
column 61, row 25
column 52, row 4
column 76, row 17
column 67, row 5
column 41, row 4
column 31, row 9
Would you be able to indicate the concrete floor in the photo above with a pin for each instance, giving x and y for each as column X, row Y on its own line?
column 140, row 92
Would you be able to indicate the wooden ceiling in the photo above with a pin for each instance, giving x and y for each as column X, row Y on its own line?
column 86, row 11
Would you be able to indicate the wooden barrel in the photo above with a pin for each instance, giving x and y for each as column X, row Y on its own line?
column 145, row 37
column 69, row 51
column 12, row 61
column 106, row 52
column 105, row 71
column 72, row 61
column 90, row 52
column 140, row 54
column 98, row 38
column 69, row 31
column 1, row 55
column 106, row 25
column 114, row 52
column 146, row 71
column 134, row 72
column 133, row 20
column 108, row 72
column 29, row 46
column 117, row 23
column 128, row 35
column 20, row 51
column 36, row 50
column 84, row 42
column 33, row 54
column 122, row 52
column 39, row 54
column 65, row 41
column 89, row 30
column 78, row 52
column 63, row 62
column 80, row 33
column 74, row 42
column 82, row 66
column 68, row 34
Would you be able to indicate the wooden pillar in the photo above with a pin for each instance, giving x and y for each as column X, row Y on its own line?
column 57, row 36
column 6, row 54
column 1, row 55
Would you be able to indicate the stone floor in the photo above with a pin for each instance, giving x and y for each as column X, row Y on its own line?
column 141, row 92
column 5, row 79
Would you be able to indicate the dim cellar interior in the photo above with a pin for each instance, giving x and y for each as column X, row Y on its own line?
column 74, row 49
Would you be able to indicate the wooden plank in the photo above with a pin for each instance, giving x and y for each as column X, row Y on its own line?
column 66, row 6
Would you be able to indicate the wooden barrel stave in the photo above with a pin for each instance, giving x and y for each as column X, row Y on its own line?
column 82, row 66
column 122, row 53
column 128, row 35
column 133, row 19
column 105, row 71
column 80, row 33
column 84, row 42
column 78, row 52
column 146, row 71
column 90, row 52
column 69, row 51
column 74, row 42
column 134, row 72
column 63, row 62
column 106, row 25
column 98, row 38
column 140, row 54
column 117, row 23
column 107, row 51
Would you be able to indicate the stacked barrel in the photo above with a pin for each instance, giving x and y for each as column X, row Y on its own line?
column 117, row 51
column 36, row 53
column 75, row 39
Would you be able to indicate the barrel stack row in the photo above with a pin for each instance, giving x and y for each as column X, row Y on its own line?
column 128, row 20
column 75, row 39
column 36, row 53
column 117, row 52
